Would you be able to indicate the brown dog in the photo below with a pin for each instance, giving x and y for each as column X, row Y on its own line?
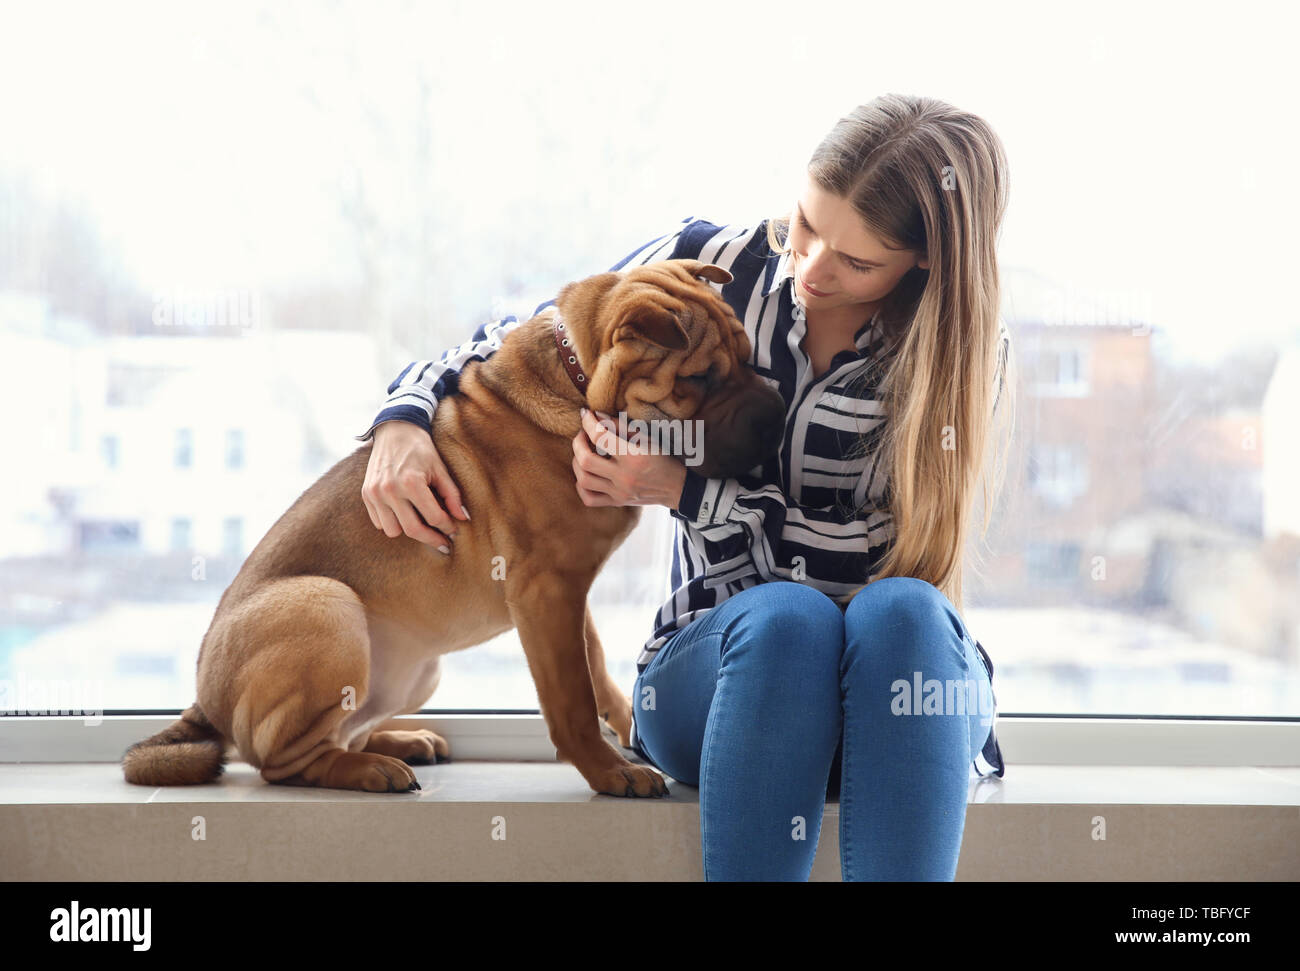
column 331, row 628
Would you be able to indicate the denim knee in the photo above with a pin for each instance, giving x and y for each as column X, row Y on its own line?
column 797, row 622
column 910, row 617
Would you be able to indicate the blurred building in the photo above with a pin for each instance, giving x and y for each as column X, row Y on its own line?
column 1129, row 484
column 1080, row 455
column 174, row 444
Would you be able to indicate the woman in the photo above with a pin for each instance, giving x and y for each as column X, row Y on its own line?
column 814, row 608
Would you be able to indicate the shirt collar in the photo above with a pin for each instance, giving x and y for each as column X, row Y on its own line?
column 781, row 268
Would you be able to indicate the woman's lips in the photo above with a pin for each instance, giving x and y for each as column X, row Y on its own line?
column 815, row 293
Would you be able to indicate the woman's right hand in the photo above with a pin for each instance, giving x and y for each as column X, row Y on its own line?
column 403, row 465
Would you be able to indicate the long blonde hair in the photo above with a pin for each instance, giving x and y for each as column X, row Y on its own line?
column 927, row 177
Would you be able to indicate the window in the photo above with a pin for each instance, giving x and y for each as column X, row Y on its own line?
column 108, row 537
column 235, row 448
column 232, row 537
column 1053, row 562
column 1058, row 473
column 199, row 330
column 184, row 456
column 1062, row 373
column 181, row 534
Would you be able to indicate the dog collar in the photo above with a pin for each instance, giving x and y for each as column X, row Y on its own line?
column 564, row 344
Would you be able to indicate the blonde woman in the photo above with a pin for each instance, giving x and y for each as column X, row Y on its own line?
column 813, row 643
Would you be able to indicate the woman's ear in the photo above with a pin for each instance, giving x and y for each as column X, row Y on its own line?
column 923, row 264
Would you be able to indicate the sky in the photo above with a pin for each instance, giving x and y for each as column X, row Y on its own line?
column 1151, row 146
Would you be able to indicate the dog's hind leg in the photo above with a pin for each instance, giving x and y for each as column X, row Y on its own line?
column 305, row 670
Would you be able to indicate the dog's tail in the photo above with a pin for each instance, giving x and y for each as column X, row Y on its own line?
column 188, row 752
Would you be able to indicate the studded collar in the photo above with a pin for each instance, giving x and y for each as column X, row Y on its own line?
column 568, row 357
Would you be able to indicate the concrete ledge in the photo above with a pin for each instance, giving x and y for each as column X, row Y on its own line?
column 74, row 821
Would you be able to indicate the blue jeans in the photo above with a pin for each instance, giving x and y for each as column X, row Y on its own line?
column 777, row 698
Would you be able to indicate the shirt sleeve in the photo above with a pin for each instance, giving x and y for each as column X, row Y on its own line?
column 414, row 394
column 833, row 548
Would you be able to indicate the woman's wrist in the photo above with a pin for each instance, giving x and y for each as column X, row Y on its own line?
column 665, row 487
column 678, row 483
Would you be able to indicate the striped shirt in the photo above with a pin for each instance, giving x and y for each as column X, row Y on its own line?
column 817, row 512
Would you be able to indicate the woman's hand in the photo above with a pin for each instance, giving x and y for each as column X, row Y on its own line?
column 403, row 465
column 629, row 475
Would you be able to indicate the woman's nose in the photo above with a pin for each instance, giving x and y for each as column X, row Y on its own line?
column 812, row 265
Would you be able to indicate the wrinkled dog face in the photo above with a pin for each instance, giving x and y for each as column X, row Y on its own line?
column 673, row 349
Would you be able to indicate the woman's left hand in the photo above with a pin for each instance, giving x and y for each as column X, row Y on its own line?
column 629, row 475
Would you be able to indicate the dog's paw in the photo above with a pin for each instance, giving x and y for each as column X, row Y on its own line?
column 433, row 749
column 631, row 780
column 399, row 775
column 370, row 772
column 418, row 747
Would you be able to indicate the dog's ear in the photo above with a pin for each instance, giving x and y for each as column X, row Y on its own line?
column 708, row 271
column 655, row 325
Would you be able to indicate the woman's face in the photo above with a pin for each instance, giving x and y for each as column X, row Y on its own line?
column 837, row 261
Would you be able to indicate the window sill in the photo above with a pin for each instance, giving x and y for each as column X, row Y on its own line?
column 83, row 822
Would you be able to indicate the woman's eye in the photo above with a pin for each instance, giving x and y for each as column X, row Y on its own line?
column 853, row 266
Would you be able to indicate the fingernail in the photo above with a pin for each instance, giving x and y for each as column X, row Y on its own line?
column 443, row 549
column 464, row 510
column 583, row 411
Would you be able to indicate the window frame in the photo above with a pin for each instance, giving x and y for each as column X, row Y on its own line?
column 521, row 735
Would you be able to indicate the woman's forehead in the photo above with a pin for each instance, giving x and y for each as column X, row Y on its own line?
column 839, row 224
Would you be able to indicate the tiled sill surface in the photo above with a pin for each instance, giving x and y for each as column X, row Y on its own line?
column 81, row 821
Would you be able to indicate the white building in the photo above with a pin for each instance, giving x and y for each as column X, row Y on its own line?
column 159, row 444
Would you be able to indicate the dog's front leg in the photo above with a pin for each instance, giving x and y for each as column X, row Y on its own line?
column 549, row 614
